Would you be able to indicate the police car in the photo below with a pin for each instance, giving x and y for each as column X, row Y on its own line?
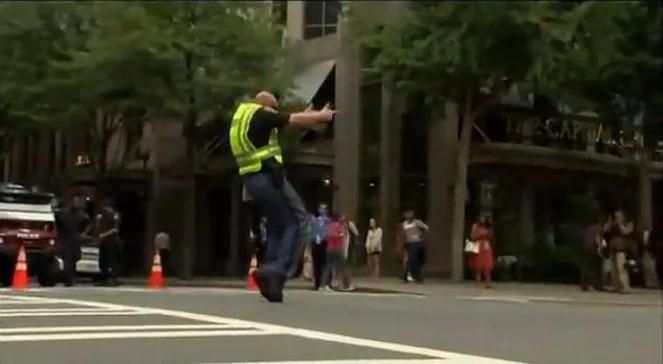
column 27, row 220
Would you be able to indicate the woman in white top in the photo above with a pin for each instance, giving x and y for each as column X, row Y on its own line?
column 374, row 248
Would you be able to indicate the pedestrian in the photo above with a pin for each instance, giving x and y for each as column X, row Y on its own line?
column 620, row 236
column 335, row 255
column 72, row 229
column 319, row 249
column 350, row 251
column 649, row 260
column 162, row 245
column 373, row 248
column 401, row 254
column 656, row 246
column 110, row 244
column 591, row 257
column 482, row 262
column 414, row 231
column 308, row 237
column 254, row 141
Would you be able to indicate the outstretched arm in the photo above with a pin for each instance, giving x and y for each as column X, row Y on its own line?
column 310, row 117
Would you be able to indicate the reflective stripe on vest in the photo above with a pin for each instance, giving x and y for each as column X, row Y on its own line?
column 248, row 157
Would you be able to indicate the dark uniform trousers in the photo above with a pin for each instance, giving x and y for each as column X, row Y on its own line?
column 109, row 258
column 71, row 253
column 319, row 262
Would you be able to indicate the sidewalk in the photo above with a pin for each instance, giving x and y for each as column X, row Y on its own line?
column 502, row 291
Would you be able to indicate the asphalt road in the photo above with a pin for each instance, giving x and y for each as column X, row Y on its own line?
column 217, row 325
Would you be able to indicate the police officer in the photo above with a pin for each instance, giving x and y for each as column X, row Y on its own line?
column 254, row 143
column 107, row 223
column 72, row 227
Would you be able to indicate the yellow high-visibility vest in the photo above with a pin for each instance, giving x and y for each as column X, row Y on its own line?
column 248, row 157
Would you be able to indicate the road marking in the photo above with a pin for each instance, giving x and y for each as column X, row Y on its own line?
column 360, row 361
column 47, row 310
column 29, row 299
column 510, row 299
column 19, row 303
column 131, row 335
column 23, row 330
column 266, row 329
column 78, row 313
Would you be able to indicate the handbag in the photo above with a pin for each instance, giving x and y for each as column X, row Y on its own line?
column 471, row 247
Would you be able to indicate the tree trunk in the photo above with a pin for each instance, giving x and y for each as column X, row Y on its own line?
column 460, row 192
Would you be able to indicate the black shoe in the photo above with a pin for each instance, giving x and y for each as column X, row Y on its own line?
column 271, row 285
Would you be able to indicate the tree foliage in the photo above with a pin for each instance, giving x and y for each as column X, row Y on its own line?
column 101, row 66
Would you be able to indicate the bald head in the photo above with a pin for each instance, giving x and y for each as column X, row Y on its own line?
column 267, row 99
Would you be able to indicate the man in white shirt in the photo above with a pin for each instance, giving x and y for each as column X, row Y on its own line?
column 413, row 235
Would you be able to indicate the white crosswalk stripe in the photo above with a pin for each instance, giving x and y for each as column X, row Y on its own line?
column 95, row 332
column 201, row 326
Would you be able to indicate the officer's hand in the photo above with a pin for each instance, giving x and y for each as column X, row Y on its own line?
column 327, row 112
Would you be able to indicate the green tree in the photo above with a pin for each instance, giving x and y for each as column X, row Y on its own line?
column 625, row 85
column 470, row 53
column 30, row 35
column 217, row 52
column 109, row 65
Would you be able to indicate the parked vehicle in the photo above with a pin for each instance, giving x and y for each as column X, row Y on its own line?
column 88, row 265
column 27, row 219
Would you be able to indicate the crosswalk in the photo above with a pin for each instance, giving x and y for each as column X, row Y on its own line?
column 12, row 306
column 20, row 316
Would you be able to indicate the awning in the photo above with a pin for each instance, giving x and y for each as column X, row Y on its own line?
column 308, row 82
column 513, row 96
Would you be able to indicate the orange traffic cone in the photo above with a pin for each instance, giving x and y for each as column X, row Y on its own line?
column 251, row 284
column 20, row 280
column 156, row 277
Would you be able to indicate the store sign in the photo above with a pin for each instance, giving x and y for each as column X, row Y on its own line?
column 572, row 130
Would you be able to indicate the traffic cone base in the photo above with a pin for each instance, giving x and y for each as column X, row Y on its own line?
column 251, row 283
column 20, row 280
column 156, row 275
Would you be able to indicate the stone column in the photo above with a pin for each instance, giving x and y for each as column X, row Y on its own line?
column 17, row 158
column 347, row 128
column 295, row 20
column 189, row 235
column 57, row 159
column 527, row 215
column 203, row 228
column 645, row 201
column 152, row 228
column 30, row 142
column 43, row 167
column 442, row 146
column 235, row 227
column 390, row 167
